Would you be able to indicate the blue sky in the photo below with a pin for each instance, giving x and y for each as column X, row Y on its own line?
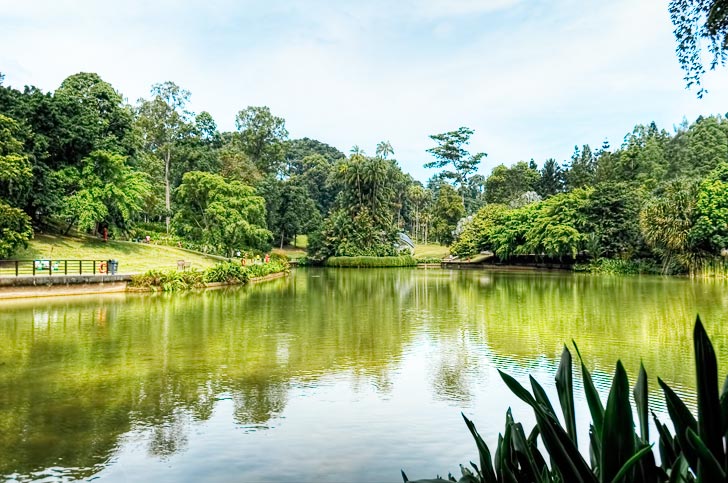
column 532, row 78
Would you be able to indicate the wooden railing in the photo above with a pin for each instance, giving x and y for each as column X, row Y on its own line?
column 57, row 267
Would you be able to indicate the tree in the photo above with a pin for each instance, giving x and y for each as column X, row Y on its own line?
column 163, row 121
column 384, row 149
column 262, row 137
column 505, row 185
column 225, row 216
column 710, row 232
column 448, row 209
column 552, row 179
column 15, row 169
column 580, row 172
column 667, row 220
column 363, row 219
column 93, row 116
column 450, row 151
column 613, row 215
column 15, row 229
column 696, row 21
column 15, row 177
column 108, row 192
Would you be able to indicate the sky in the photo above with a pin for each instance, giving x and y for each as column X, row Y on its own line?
column 532, row 78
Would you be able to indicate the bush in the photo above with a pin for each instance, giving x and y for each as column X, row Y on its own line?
column 371, row 262
column 263, row 269
column 226, row 272
column 169, row 281
column 429, row 260
column 223, row 272
column 617, row 452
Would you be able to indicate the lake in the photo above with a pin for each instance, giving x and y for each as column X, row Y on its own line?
column 326, row 375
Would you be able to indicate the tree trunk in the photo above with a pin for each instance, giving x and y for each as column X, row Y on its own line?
column 167, row 194
column 282, row 234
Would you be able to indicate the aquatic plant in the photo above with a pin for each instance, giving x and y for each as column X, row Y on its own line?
column 696, row 452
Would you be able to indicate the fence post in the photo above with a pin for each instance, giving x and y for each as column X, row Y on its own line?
column 50, row 268
column 33, row 263
column 94, row 267
column 65, row 267
column 80, row 267
column 16, row 267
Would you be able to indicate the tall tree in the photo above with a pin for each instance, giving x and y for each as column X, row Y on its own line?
column 581, row 169
column 163, row 121
column 108, row 192
column 262, row 137
column 552, row 179
column 447, row 210
column 384, row 149
column 221, row 215
column 505, row 185
column 93, row 116
column 450, row 151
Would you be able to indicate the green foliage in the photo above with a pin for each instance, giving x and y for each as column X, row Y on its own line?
column 505, row 185
column 169, row 281
column 447, row 210
column 478, row 234
column 372, row 262
column 582, row 168
column 613, row 219
column 363, row 222
column 667, row 221
column 618, row 453
column 262, row 137
column 225, row 272
column 619, row 266
column 15, row 229
column 711, row 225
column 225, row 215
column 15, row 168
column 106, row 190
column 450, row 151
column 696, row 21
column 552, row 179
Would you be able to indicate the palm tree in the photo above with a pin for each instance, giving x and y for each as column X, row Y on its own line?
column 384, row 149
column 356, row 150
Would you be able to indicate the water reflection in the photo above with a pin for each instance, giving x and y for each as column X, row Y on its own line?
column 79, row 375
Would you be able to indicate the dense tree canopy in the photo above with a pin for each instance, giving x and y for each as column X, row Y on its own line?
column 82, row 158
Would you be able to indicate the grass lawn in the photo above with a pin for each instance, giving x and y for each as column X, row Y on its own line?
column 431, row 250
column 133, row 257
column 299, row 251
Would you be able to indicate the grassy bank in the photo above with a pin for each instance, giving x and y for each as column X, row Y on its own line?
column 371, row 262
column 431, row 251
column 133, row 257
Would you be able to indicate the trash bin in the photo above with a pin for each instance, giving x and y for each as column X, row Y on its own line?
column 113, row 266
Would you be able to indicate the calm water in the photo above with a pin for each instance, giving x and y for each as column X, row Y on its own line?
column 323, row 376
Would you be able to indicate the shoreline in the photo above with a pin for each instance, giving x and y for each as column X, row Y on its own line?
column 44, row 287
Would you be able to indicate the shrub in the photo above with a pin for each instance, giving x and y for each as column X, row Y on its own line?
column 371, row 262
column 226, row 272
column 169, row 281
column 617, row 452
